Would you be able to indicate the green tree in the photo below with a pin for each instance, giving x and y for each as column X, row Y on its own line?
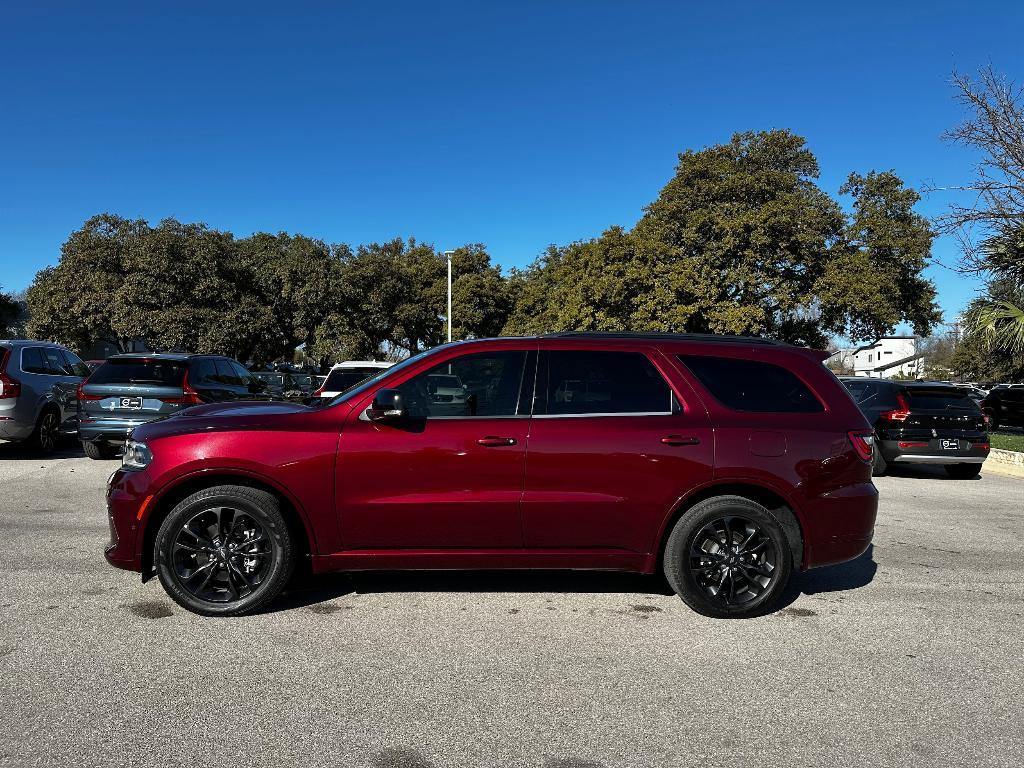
column 9, row 312
column 742, row 240
column 393, row 296
column 874, row 281
column 73, row 302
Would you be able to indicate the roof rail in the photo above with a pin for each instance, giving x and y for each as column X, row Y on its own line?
column 712, row 337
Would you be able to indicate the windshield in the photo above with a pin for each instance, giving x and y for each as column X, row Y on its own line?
column 370, row 382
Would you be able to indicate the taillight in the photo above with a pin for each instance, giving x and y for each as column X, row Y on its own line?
column 189, row 395
column 899, row 414
column 912, row 444
column 81, row 394
column 983, row 446
column 862, row 443
column 10, row 387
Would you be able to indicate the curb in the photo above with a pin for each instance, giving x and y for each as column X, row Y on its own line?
column 1006, row 463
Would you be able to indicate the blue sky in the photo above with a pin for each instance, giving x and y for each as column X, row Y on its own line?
column 514, row 125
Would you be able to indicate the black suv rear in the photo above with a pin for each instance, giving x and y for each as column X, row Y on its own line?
column 919, row 422
column 129, row 390
column 1004, row 406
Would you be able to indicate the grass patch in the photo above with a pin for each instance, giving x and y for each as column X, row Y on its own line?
column 1007, row 442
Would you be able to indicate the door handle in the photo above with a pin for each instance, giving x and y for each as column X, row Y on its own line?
column 680, row 440
column 492, row 442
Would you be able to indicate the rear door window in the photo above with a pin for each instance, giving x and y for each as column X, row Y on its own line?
column 751, row 385
column 584, row 382
column 167, row 373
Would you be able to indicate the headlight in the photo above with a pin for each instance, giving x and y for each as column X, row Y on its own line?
column 136, row 456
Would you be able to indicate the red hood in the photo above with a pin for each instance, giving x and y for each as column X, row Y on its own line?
column 219, row 417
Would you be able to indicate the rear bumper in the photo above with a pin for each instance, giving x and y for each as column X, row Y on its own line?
column 930, row 451
column 928, row 459
column 107, row 430
column 839, row 525
column 14, row 430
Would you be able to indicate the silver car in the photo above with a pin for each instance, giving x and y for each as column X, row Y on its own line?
column 38, row 383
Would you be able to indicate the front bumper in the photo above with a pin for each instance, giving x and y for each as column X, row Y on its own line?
column 126, row 500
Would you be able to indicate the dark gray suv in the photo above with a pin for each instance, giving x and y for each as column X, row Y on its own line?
column 131, row 389
column 37, row 392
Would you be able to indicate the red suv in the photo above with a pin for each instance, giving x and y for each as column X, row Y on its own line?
column 725, row 462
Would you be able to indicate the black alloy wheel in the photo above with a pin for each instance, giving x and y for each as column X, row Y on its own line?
column 728, row 557
column 733, row 560
column 221, row 554
column 47, row 433
column 224, row 551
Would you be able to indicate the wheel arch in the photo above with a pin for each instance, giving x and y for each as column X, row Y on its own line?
column 171, row 495
column 780, row 507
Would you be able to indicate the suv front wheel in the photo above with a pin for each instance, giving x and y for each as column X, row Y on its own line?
column 728, row 558
column 224, row 551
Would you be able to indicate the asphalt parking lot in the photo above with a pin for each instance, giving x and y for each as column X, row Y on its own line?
column 911, row 655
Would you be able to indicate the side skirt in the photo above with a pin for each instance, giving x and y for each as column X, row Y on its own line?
column 479, row 559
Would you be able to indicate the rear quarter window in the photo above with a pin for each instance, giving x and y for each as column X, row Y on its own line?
column 751, row 385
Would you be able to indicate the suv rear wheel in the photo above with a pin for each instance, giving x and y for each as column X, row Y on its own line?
column 224, row 551
column 728, row 557
column 963, row 471
column 46, row 435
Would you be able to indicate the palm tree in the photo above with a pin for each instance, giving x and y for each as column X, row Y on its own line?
column 1000, row 322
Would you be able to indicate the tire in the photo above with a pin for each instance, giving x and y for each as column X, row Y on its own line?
column 98, row 450
column 963, row 471
column 756, row 581
column 46, row 435
column 879, row 466
column 217, row 535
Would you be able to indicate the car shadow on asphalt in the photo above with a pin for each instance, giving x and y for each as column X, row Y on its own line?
column 310, row 590
column 68, row 448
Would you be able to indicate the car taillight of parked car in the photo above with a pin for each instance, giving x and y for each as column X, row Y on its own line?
column 863, row 443
column 189, row 395
column 9, row 386
column 898, row 414
column 81, row 394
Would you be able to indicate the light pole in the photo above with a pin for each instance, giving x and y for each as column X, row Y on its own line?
column 449, row 255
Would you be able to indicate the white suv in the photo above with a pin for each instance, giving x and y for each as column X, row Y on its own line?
column 346, row 375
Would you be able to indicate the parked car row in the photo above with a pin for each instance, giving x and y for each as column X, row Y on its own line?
column 47, row 391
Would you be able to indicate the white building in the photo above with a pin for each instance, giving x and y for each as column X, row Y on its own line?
column 887, row 357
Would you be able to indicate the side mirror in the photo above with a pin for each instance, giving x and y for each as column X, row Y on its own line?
column 387, row 404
